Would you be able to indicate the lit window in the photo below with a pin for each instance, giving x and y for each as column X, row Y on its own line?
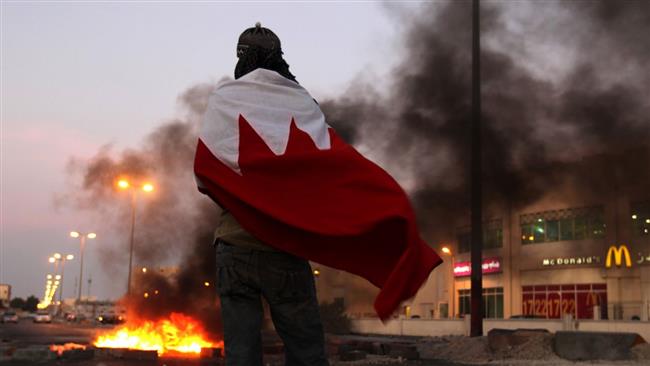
column 560, row 225
column 492, row 302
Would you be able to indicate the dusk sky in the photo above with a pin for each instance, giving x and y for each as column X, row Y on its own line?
column 78, row 76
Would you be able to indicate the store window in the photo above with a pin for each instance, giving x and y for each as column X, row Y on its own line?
column 492, row 236
column 640, row 218
column 492, row 302
column 567, row 224
column 552, row 301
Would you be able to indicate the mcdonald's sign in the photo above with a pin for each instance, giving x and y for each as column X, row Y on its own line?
column 592, row 299
column 618, row 253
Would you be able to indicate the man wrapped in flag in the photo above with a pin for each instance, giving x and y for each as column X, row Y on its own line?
column 292, row 191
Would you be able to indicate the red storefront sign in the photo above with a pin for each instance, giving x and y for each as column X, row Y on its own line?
column 490, row 265
column 552, row 301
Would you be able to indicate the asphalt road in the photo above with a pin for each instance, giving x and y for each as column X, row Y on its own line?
column 28, row 333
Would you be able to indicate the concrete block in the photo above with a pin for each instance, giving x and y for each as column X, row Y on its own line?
column 140, row 355
column 213, row 352
column 500, row 340
column 358, row 345
column 33, row 354
column 107, row 353
column 78, row 354
column 353, row 355
column 578, row 346
column 377, row 349
column 405, row 351
column 126, row 354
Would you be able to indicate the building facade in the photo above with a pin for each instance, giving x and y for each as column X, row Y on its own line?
column 5, row 295
column 592, row 261
column 568, row 252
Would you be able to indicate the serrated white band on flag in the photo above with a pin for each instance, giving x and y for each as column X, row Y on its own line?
column 268, row 101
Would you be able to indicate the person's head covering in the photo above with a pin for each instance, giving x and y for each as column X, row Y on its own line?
column 259, row 47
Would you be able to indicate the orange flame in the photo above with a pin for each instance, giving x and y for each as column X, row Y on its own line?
column 60, row 348
column 180, row 334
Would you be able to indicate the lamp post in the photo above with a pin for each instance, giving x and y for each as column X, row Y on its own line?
column 146, row 187
column 57, row 258
column 446, row 250
column 476, row 321
column 68, row 257
column 82, row 245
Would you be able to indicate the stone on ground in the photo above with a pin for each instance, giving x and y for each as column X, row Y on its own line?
column 578, row 346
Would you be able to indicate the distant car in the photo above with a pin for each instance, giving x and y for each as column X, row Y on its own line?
column 70, row 317
column 42, row 317
column 111, row 318
column 9, row 317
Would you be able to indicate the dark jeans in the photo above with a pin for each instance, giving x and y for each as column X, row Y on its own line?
column 287, row 284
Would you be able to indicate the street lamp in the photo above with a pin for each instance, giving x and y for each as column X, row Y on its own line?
column 56, row 259
column 124, row 184
column 446, row 250
column 82, row 245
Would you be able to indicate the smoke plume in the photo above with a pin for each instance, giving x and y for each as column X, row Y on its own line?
column 174, row 223
column 537, row 128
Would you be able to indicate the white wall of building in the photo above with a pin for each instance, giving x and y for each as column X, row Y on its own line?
column 446, row 327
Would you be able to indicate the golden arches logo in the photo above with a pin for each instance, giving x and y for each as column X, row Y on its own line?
column 593, row 299
column 618, row 254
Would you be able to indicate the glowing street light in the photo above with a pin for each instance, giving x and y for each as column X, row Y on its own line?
column 57, row 258
column 50, row 288
column 447, row 250
column 147, row 187
column 82, row 246
column 123, row 184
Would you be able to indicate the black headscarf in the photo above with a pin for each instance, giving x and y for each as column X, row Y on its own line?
column 259, row 47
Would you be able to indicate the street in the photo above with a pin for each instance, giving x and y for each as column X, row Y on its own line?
column 33, row 340
column 28, row 335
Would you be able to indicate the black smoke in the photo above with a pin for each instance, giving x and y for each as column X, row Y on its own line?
column 174, row 223
column 539, row 131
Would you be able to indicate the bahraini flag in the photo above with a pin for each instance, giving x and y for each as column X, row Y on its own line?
column 266, row 154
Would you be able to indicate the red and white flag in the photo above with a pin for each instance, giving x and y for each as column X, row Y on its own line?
column 266, row 154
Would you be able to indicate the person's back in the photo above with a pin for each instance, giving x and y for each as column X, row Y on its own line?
column 249, row 269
